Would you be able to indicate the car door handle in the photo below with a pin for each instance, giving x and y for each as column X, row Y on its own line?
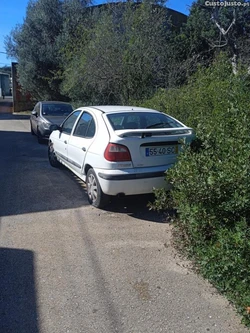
column 65, row 142
column 83, row 148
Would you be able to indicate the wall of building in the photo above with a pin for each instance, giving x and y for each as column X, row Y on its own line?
column 21, row 101
column 4, row 85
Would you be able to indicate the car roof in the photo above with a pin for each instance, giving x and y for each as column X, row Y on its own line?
column 121, row 108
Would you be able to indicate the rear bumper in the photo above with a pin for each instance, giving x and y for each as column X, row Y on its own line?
column 138, row 181
column 132, row 176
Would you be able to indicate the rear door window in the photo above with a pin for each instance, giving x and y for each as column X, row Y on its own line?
column 85, row 127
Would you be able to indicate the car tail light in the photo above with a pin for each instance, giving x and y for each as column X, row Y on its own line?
column 117, row 153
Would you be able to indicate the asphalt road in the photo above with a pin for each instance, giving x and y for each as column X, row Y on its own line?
column 68, row 267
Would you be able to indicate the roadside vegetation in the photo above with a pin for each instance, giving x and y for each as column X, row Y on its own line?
column 133, row 53
column 211, row 181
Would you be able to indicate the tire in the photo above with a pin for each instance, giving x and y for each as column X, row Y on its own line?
column 39, row 137
column 31, row 130
column 95, row 195
column 52, row 157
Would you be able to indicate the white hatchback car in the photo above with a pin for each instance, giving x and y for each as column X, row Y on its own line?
column 117, row 150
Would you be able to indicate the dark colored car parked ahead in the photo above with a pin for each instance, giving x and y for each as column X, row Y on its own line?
column 45, row 114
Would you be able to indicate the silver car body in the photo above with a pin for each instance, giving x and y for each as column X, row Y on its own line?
column 46, row 113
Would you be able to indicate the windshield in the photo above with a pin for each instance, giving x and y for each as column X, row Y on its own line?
column 55, row 109
column 141, row 120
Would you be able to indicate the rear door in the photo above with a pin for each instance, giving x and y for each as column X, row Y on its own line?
column 80, row 141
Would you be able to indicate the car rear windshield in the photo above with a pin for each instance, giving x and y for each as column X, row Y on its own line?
column 141, row 120
column 54, row 109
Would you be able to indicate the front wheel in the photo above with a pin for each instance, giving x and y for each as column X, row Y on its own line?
column 52, row 157
column 39, row 137
column 31, row 130
column 95, row 195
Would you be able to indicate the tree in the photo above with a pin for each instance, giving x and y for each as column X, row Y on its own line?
column 36, row 44
column 212, row 28
column 125, row 58
column 77, row 22
column 111, row 53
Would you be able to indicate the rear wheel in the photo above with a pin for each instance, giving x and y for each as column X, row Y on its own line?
column 52, row 157
column 95, row 195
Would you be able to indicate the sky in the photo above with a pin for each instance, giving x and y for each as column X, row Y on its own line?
column 14, row 11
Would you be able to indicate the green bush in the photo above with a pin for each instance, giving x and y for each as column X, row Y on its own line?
column 208, row 91
column 211, row 184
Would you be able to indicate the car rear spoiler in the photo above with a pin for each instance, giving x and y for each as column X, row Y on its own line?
column 147, row 132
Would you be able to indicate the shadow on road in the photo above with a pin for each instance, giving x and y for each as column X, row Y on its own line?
column 136, row 206
column 29, row 184
column 18, row 308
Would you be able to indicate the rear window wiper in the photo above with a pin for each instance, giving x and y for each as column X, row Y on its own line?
column 159, row 124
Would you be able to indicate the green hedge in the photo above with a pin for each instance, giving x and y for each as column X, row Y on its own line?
column 211, row 183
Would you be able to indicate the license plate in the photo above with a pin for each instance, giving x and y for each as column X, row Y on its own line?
column 158, row 151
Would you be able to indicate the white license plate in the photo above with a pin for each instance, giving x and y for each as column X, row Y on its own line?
column 158, row 151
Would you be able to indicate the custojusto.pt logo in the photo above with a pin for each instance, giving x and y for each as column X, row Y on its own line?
column 226, row 4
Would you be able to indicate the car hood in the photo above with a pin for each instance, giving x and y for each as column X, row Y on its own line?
column 55, row 119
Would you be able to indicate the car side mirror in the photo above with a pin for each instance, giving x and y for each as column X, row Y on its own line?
column 34, row 113
column 54, row 127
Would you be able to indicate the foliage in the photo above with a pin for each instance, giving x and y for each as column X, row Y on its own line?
column 118, row 52
column 206, row 39
column 204, row 92
column 125, row 57
column 77, row 22
column 104, row 54
column 211, row 181
column 36, row 45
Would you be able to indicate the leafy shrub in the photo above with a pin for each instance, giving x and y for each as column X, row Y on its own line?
column 211, row 185
column 208, row 91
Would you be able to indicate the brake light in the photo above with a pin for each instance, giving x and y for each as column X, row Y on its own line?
column 117, row 153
